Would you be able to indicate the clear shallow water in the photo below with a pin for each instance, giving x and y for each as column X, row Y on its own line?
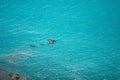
column 87, row 34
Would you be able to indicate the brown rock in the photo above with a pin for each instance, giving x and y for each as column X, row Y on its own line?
column 51, row 41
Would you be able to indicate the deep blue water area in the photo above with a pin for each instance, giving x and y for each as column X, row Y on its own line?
column 87, row 34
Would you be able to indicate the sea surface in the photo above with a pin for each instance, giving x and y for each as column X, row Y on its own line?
column 87, row 34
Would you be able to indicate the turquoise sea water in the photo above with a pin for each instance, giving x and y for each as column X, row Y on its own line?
column 87, row 34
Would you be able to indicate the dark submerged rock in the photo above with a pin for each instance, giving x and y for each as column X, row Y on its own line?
column 11, row 56
column 32, row 45
column 51, row 41
column 42, row 44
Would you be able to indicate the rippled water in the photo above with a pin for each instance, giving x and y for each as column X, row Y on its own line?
column 87, row 34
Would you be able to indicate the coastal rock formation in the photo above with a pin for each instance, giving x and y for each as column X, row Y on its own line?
column 16, row 76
